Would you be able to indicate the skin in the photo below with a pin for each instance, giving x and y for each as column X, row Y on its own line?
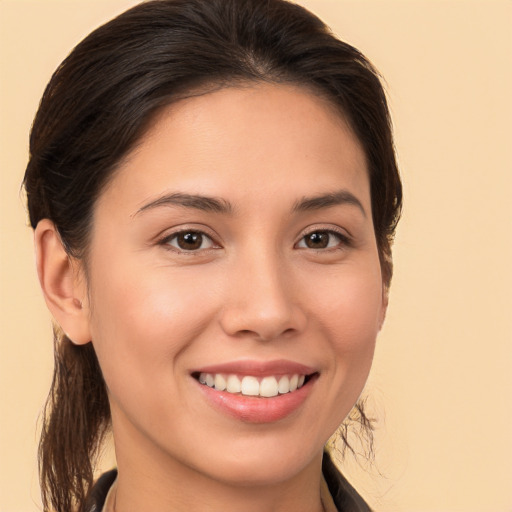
column 252, row 290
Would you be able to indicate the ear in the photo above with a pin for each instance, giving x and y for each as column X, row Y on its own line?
column 62, row 282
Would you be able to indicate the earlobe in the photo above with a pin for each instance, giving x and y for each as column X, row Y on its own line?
column 63, row 287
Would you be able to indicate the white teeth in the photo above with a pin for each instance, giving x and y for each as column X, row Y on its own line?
column 250, row 386
column 233, row 385
column 284, row 385
column 268, row 387
column 220, row 382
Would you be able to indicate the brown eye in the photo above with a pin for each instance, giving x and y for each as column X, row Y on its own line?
column 190, row 241
column 322, row 240
column 319, row 240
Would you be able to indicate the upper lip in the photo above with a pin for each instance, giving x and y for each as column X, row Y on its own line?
column 258, row 368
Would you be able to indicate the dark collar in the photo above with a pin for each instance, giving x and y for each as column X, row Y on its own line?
column 345, row 497
column 100, row 490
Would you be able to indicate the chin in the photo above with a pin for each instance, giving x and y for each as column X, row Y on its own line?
column 260, row 463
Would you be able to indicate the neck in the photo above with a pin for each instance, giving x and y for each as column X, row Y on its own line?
column 148, row 495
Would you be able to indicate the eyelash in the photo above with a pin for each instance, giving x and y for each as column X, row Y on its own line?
column 343, row 241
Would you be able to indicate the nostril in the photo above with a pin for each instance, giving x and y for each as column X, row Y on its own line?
column 262, row 334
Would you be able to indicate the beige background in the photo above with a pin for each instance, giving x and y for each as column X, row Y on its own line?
column 441, row 384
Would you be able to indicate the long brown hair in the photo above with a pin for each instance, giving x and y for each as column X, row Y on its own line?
column 99, row 103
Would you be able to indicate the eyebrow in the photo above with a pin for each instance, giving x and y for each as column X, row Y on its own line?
column 198, row 202
column 339, row 197
column 219, row 205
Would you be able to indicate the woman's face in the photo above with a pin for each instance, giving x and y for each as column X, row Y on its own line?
column 235, row 247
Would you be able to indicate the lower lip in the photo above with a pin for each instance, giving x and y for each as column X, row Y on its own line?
column 253, row 409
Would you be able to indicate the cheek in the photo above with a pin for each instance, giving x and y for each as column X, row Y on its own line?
column 140, row 320
column 351, row 308
column 350, row 316
column 359, row 327
column 140, row 325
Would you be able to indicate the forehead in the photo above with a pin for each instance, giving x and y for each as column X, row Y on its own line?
column 244, row 140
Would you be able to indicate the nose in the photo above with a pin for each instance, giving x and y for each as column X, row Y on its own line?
column 262, row 300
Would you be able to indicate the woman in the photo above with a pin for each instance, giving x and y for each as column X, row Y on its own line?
column 214, row 193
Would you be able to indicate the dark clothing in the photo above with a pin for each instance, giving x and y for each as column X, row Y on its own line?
column 100, row 490
column 345, row 497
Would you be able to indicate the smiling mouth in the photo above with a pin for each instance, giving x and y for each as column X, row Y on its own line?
column 249, row 385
